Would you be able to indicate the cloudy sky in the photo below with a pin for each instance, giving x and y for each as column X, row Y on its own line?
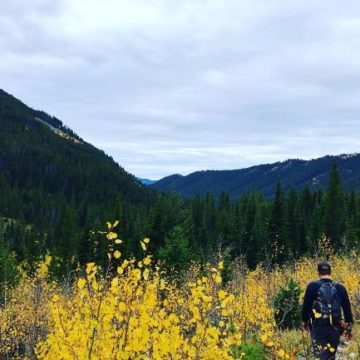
column 169, row 86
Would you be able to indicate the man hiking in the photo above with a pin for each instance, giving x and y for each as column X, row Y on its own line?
column 321, row 313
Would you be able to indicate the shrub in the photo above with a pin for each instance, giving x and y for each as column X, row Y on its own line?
column 249, row 350
column 287, row 306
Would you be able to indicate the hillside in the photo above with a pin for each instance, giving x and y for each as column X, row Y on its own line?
column 292, row 173
column 55, row 183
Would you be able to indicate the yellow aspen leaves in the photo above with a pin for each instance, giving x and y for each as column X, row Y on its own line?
column 162, row 284
column 281, row 353
column 90, row 267
column 147, row 261
column 24, row 308
column 222, row 294
column 81, row 283
column 111, row 235
column 135, row 312
column 146, row 274
column 111, row 226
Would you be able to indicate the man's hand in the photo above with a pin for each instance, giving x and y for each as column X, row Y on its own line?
column 348, row 334
column 346, row 330
column 343, row 326
column 306, row 326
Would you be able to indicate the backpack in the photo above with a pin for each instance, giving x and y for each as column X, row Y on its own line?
column 327, row 306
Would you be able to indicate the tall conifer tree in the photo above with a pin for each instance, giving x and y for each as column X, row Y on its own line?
column 334, row 224
column 276, row 229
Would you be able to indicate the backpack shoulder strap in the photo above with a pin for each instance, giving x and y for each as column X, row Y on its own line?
column 320, row 282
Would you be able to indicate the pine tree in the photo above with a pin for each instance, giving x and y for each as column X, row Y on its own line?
column 210, row 221
column 253, row 234
column 296, row 246
column 276, row 235
column 315, row 231
column 198, row 225
column 8, row 265
column 334, row 224
column 175, row 254
column 306, row 206
column 351, row 233
column 67, row 242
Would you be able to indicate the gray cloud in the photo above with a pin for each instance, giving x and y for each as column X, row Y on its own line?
column 170, row 86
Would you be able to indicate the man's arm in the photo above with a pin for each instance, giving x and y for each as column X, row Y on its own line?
column 307, row 304
column 346, row 306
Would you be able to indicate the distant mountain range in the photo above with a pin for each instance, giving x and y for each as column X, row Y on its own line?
column 292, row 173
column 146, row 181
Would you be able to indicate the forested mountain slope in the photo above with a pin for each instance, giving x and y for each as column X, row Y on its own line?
column 292, row 173
column 55, row 184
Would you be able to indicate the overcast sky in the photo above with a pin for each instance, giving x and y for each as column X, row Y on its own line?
column 175, row 86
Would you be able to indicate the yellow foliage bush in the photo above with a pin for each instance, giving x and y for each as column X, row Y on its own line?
column 25, row 313
column 134, row 312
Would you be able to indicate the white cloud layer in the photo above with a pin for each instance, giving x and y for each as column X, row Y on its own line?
column 169, row 86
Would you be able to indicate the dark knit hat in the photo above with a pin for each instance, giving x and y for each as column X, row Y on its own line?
column 324, row 268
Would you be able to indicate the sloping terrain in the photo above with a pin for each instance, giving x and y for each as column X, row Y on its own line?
column 54, row 180
column 292, row 173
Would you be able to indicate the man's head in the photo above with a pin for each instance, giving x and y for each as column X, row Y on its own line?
column 324, row 269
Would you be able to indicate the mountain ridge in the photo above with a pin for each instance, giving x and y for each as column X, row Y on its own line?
column 10, row 101
column 292, row 173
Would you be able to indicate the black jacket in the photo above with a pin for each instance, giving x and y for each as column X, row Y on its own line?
column 311, row 294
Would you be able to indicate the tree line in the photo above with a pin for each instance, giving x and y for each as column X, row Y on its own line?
column 252, row 227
